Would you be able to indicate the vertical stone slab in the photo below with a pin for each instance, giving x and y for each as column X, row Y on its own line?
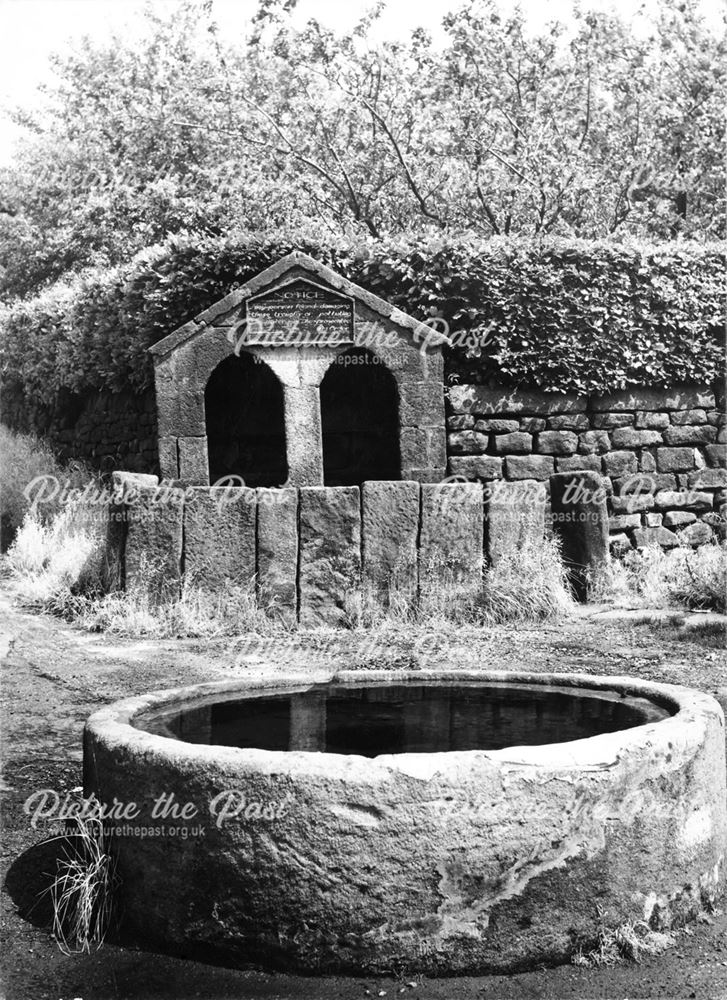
column 124, row 493
column 514, row 517
column 330, row 553
column 194, row 468
column 168, row 458
column 451, row 541
column 303, row 435
column 389, row 531
column 277, row 551
column 153, row 552
column 219, row 536
column 580, row 519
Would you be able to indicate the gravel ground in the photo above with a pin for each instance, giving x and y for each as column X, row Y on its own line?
column 54, row 675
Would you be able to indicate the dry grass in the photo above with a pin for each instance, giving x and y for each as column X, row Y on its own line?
column 529, row 585
column 59, row 567
column 82, row 890
column 628, row 942
column 51, row 560
column 195, row 614
column 23, row 458
column 681, row 577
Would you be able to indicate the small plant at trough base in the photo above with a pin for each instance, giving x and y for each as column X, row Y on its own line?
column 629, row 941
column 82, row 890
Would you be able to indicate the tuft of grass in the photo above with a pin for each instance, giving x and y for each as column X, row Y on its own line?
column 52, row 560
column 530, row 584
column 628, row 942
column 680, row 577
column 83, row 888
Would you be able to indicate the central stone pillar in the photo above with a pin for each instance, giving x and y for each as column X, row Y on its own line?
column 303, row 437
column 300, row 375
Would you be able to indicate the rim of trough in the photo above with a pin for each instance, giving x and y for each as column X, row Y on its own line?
column 112, row 726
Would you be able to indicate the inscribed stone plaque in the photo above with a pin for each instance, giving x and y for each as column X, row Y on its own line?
column 300, row 313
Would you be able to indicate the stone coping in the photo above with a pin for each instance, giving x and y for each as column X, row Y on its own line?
column 113, row 725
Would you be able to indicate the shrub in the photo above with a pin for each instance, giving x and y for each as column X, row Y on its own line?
column 583, row 316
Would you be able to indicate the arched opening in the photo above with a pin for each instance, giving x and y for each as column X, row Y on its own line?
column 245, row 422
column 360, row 420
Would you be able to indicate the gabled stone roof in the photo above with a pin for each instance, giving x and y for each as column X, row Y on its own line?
column 219, row 314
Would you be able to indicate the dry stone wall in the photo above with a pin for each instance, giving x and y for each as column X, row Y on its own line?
column 662, row 453
column 108, row 430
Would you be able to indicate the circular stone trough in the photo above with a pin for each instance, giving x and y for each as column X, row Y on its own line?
column 417, row 821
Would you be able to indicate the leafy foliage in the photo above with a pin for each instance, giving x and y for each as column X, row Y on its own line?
column 579, row 316
column 585, row 130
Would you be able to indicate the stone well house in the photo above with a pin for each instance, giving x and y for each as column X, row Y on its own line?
column 301, row 377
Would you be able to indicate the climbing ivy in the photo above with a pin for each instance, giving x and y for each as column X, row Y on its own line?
column 563, row 316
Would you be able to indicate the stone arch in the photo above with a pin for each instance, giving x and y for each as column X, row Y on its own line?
column 245, row 422
column 359, row 399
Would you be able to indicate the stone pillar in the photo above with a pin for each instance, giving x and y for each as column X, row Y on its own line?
column 580, row 519
column 308, row 721
column 514, row 517
column 330, row 553
column 303, row 436
column 451, row 541
column 389, row 531
column 277, row 551
column 219, row 536
column 153, row 554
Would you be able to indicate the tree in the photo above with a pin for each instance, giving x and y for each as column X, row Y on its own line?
column 582, row 130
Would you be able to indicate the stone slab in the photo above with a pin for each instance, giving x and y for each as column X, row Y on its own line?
column 168, row 458
column 277, row 551
column 514, row 517
column 677, row 398
column 194, row 467
column 580, row 520
column 529, row 466
column 390, row 529
column 219, row 536
column 153, row 550
column 476, row 467
column 330, row 553
column 451, row 541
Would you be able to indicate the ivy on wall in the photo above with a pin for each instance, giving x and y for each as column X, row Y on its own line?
column 565, row 316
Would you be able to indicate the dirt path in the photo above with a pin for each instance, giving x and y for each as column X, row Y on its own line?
column 53, row 676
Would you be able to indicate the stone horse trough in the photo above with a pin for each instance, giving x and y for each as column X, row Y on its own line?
column 415, row 821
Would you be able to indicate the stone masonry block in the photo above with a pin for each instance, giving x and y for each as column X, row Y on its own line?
column 580, row 519
column 219, row 536
column 153, row 552
column 389, row 532
column 514, row 517
column 529, row 466
column 476, row 467
column 330, row 553
column 277, row 551
column 557, row 443
column 451, row 541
